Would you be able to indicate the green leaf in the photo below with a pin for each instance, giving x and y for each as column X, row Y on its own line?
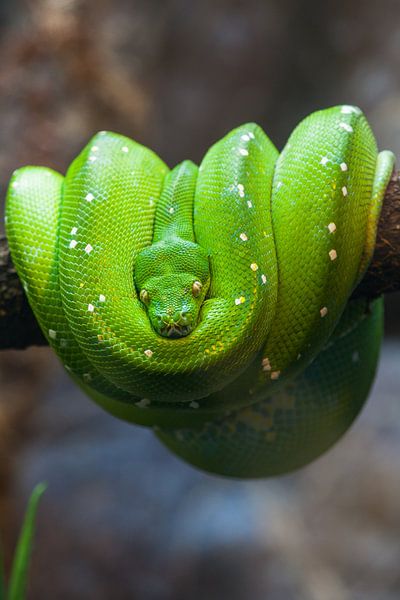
column 19, row 570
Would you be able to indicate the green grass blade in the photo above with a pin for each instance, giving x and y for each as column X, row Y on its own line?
column 2, row 578
column 19, row 571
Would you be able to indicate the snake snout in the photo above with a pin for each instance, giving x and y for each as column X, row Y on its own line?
column 174, row 324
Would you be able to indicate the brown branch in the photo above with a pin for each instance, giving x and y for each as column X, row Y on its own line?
column 19, row 328
column 383, row 275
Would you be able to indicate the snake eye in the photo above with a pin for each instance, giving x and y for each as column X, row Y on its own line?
column 144, row 296
column 196, row 288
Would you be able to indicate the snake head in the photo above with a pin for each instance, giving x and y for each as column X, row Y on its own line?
column 172, row 278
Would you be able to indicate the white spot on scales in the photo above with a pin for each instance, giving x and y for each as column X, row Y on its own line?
column 143, row 403
column 266, row 365
column 346, row 127
column 348, row 110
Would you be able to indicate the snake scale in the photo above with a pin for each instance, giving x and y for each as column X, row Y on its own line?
column 211, row 303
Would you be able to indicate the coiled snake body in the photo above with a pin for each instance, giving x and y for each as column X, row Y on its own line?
column 212, row 303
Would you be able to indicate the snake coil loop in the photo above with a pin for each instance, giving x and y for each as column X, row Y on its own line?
column 212, row 303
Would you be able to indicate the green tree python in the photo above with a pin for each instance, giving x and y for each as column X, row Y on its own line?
column 211, row 303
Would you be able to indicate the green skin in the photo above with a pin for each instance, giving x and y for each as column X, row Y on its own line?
column 212, row 303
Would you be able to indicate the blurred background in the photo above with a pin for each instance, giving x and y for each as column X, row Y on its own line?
column 122, row 518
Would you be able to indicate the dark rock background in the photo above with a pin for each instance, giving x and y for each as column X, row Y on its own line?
column 122, row 518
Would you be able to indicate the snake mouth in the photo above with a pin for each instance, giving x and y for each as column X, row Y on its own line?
column 175, row 331
column 174, row 328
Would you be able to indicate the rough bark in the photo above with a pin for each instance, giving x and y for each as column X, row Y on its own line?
column 383, row 275
column 18, row 326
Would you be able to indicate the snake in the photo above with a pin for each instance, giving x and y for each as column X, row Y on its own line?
column 213, row 303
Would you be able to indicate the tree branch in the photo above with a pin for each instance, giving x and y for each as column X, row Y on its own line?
column 19, row 328
column 383, row 275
